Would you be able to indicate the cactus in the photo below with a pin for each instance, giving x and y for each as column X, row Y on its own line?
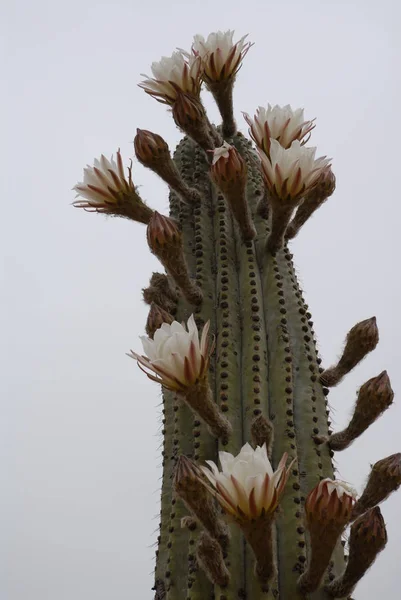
column 225, row 249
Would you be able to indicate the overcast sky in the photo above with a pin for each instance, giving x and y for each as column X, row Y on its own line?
column 80, row 423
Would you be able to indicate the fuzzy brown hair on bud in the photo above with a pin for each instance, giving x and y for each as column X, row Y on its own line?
column 165, row 241
column 324, row 188
column 328, row 509
column 161, row 293
column 374, row 397
column 361, row 339
column 229, row 173
column 189, row 485
column 262, row 432
column 156, row 317
column 384, row 478
column 153, row 152
column 368, row 537
column 210, row 558
column 190, row 116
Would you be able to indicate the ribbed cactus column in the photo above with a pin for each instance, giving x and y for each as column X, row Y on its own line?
column 231, row 341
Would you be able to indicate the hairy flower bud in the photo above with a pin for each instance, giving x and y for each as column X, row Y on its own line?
column 156, row 317
column 161, row 292
column 328, row 509
column 384, row 478
column 325, row 186
column 105, row 189
column 165, row 241
column 374, row 397
column 229, row 173
column 262, row 432
column 150, row 147
column 189, row 485
column 210, row 558
column 361, row 339
column 368, row 537
column 190, row 116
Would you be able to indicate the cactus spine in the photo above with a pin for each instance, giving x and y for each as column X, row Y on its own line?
column 236, row 273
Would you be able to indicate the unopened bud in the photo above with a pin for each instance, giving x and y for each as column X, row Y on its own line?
column 374, row 397
column 368, row 537
column 150, row 148
column 156, row 317
column 328, row 509
column 229, row 173
column 162, row 232
column 324, row 188
column 384, row 478
column 210, row 558
column 189, row 483
column 153, row 152
column 161, row 293
column 190, row 116
column 361, row 339
column 165, row 241
column 262, row 432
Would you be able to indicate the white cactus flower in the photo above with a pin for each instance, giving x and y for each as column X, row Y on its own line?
column 105, row 189
column 175, row 357
column 337, row 486
column 221, row 152
column 247, row 487
column 221, row 57
column 289, row 173
column 173, row 74
column 280, row 123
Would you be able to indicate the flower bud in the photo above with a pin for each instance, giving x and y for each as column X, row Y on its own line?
column 210, row 558
column 374, row 397
column 189, row 485
column 262, row 432
column 157, row 316
column 361, row 339
column 190, row 116
column 150, row 147
column 161, row 292
column 368, row 537
column 328, row 509
column 229, row 173
column 325, row 186
column 384, row 478
column 162, row 232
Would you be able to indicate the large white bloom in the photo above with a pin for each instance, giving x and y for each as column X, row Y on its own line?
column 105, row 189
column 172, row 75
column 221, row 57
column 289, row 173
column 175, row 357
column 280, row 123
column 247, row 487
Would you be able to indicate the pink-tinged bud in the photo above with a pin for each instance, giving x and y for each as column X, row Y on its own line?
column 361, row 339
column 189, row 485
column 384, row 478
column 323, row 189
column 374, row 397
column 165, row 241
column 229, row 173
column 150, row 147
column 162, row 232
column 190, row 116
column 156, row 317
column 105, row 189
column 328, row 509
column 368, row 537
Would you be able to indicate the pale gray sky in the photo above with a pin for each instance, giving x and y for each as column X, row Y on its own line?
column 79, row 425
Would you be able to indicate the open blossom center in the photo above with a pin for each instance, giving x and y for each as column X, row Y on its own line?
column 175, row 357
column 247, row 486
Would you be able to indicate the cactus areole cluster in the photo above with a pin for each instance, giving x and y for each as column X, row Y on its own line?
column 231, row 342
